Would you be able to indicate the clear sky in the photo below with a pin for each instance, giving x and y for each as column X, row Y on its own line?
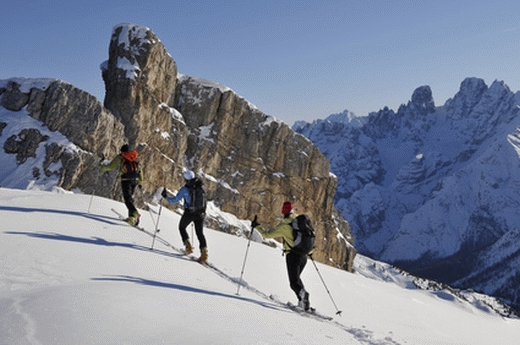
column 295, row 60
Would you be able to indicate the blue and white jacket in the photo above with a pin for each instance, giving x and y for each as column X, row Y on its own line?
column 184, row 193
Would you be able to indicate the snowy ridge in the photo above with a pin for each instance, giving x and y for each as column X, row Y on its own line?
column 387, row 273
column 98, row 279
column 204, row 83
column 26, row 84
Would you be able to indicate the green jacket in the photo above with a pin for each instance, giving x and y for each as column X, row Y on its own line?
column 283, row 230
column 117, row 163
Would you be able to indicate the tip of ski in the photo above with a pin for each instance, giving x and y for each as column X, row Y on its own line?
column 309, row 312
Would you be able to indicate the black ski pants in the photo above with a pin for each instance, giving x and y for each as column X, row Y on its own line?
column 128, row 187
column 198, row 220
column 295, row 264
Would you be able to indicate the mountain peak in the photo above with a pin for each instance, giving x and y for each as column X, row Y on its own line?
column 435, row 194
column 422, row 100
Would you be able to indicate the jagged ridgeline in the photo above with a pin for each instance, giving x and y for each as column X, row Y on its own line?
column 54, row 134
column 434, row 189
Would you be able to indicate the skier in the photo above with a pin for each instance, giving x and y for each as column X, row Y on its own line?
column 131, row 177
column 194, row 211
column 295, row 261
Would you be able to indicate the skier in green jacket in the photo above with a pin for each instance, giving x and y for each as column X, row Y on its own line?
column 295, row 261
column 131, row 177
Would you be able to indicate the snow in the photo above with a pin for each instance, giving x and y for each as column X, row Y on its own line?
column 128, row 36
column 204, row 83
column 128, row 31
column 205, row 133
column 26, row 84
column 269, row 120
column 69, row 276
column 132, row 69
column 21, row 176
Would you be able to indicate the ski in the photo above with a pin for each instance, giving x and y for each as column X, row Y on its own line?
column 194, row 258
column 310, row 312
column 140, row 228
column 121, row 217
column 197, row 260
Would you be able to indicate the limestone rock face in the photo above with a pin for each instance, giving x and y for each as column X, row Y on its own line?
column 24, row 144
column 139, row 76
column 250, row 162
column 140, row 80
column 77, row 115
column 254, row 163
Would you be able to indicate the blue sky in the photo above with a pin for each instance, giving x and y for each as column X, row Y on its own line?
column 295, row 60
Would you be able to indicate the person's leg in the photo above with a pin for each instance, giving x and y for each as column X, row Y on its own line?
column 293, row 262
column 128, row 188
column 199, row 230
column 186, row 219
column 183, row 224
column 304, row 294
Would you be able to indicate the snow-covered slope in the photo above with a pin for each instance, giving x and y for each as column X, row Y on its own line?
column 73, row 273
column 435, row 190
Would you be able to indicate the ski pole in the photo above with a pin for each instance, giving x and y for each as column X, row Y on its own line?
column 159, row 215
column 245, row 257
column 157, row 224
column 94, row 188
column 338, row 312
column 90, row 203
column 151, row 212
column 140, row 187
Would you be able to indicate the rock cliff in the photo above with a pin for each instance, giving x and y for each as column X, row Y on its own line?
column 249, row 161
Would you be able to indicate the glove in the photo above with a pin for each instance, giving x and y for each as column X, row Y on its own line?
column 254, row 223
column 164, row 193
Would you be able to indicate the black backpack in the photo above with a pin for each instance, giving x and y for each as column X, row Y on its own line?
column 130, row 165
column 197, row 196
column 303, row 234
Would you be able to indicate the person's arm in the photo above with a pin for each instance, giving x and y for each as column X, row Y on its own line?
column 283, row 230
column 115, row 163
column 182, row 194
column 141, row 177
column 277, row 231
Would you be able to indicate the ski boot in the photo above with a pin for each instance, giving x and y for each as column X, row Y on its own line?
column 188, row 247
column 304, row 300
column 203, row 256
column 134, row 219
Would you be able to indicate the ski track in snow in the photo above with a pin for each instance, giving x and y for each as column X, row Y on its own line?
column 363, row 335
column 379, row 311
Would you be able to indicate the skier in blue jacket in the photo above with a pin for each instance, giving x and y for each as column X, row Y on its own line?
column 197, row 217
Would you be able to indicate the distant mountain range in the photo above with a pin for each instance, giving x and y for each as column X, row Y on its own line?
column 434, row 190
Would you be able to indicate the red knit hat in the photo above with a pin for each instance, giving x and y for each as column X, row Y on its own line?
column 287, row 208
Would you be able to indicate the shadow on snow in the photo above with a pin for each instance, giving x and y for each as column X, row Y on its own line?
column 99, row 218
column 93, row 240
column 149, row 282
